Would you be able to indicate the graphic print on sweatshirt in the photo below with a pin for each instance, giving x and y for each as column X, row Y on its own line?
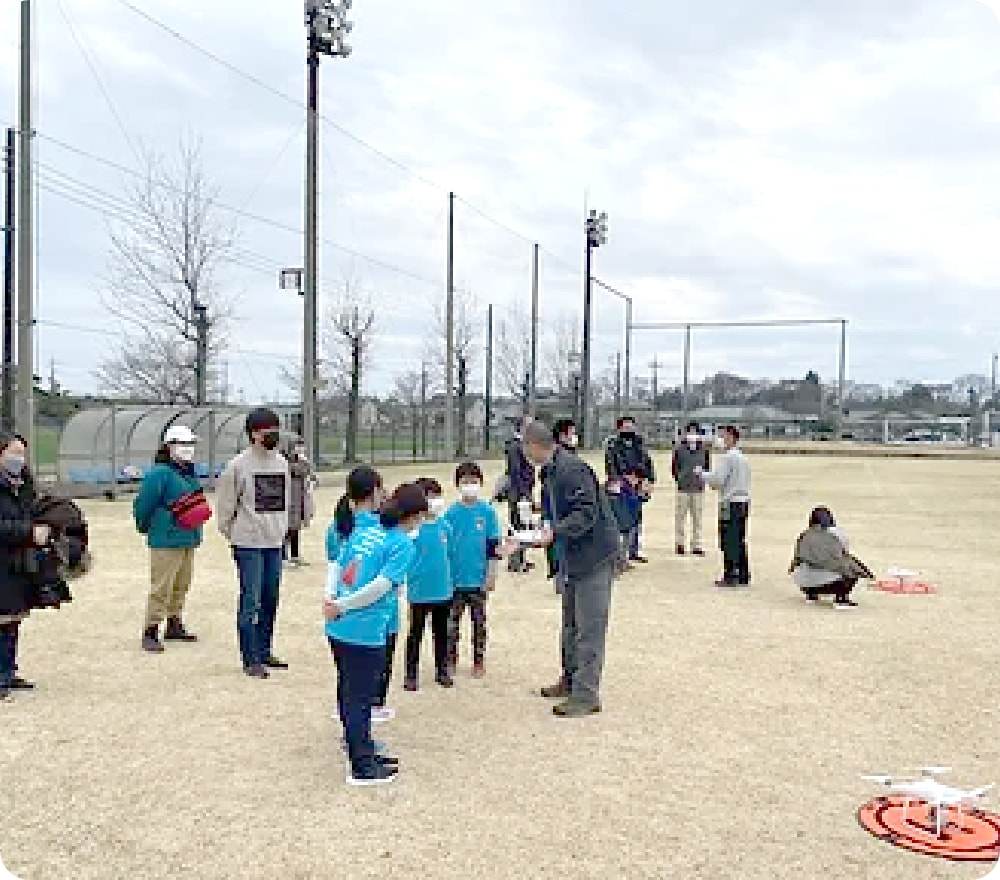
column 269, row 493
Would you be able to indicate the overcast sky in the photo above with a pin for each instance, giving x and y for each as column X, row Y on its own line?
column 757, row 159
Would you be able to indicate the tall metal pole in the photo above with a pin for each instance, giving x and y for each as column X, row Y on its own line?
column 309, row 316
column 489, row 377
column 993, row 378
column 423, row 410
column 618, row 383
column 8, row 283
column 687, row 368
column 585, row 360
column 25, row 414
column 533, row 384
column 449, row 370
column 628, row 353
column 842, row 377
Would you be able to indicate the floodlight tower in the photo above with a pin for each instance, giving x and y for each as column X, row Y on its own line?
column 327, row 27
column 596, row 229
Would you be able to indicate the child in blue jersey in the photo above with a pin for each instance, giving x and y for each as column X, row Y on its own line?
column 429, row 589
column 364, row 493
column 362, row 587
column 476, row 534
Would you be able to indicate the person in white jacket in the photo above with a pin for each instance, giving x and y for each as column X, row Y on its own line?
column 731, row 476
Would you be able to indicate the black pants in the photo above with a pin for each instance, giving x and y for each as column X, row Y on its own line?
column 358, row 671
column 8, row 653
column 440, row 614
column 383, row 685
column 292, row 544
column 840, row 590
column 733, row 518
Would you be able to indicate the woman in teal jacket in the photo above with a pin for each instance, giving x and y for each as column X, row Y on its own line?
column 171, row 546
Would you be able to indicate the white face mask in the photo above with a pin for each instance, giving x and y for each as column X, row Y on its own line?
column 470, row 490
column 183, row 454
column 692, row 439
column 436, row 505
column 572, row 441
column 720, row 443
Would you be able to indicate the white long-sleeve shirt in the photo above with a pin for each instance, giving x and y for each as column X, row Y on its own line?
column 731, row 476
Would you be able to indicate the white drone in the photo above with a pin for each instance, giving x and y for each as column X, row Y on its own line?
column 936, row 795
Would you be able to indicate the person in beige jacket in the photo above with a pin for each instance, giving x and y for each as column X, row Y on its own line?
column 252, row 500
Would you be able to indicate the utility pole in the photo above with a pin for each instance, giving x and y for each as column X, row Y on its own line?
column 993, row 378
column 596, row 234
column 533, row 389
column 327, row 26
column 628, row 353
column 449, row 370
column 25, row 411
column 423, row 409
column 489, row 377
column 618, row 383
column 687, row 369
column 53, row 384
column 655, row 366
column 841, row 379
column 461, row 405
column 201, row 359
column 7, row 386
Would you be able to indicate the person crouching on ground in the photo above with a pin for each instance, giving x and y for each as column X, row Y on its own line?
column 171, row 546
column 822, row 564
column 19, row 536
column 476, row 533
column 429, row 589
column 361, row 588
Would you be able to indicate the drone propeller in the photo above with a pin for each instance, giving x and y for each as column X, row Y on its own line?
column 983, row 790
column 935, row 771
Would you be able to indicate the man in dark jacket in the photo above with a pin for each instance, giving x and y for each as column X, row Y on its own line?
column 690, row 452
column 586, row 535
column 521, row 475
column 564, row 432
column 626, row 453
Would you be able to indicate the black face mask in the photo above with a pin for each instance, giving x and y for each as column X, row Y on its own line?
column 628, row 435
column 269, row 440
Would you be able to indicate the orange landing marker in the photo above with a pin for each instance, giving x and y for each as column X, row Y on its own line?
column 968, row 836
column 903, row 586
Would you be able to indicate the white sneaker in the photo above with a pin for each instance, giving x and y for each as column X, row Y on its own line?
column 381, row 714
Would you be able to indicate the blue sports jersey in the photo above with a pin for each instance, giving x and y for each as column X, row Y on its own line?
column 334, row 542
column 370, row 552
column 474, row 527
column 429, row 578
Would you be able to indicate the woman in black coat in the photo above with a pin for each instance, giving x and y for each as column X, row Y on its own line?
column 18, row 536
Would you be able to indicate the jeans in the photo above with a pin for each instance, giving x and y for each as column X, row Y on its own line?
column 359, row 675
column 8, row 653
column 633, row 540
column 440, row 614
column 475, row 601
column 260, row 576
column 586, row 602
column 733, row 518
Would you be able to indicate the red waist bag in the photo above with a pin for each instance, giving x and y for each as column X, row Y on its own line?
column 191, row 510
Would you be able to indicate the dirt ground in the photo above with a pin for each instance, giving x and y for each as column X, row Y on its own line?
column 734, row 731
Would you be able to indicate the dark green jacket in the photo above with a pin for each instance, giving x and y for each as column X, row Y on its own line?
column 162, row 485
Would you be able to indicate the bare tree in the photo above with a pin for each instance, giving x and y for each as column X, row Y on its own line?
column 347, row 346
column 564, row 341
column 465, row 336
column 512, row 353
column 408, row 392
column 162, row 283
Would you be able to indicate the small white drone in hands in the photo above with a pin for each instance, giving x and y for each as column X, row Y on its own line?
column 937, row 796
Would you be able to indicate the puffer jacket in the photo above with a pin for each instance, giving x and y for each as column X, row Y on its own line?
column 17, row 590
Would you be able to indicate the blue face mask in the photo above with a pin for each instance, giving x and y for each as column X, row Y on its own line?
column 14, row 464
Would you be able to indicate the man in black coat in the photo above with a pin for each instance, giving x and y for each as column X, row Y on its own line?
column 586, row 534
column 626, row 453
column 521, row 476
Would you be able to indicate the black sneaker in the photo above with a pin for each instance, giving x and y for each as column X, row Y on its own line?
column 698, row 552
column 444, row 679
column 410, row 684
column 275, row 663
column 379, row 774
column 151, row 640
column 256, row 671
column 4, row 693
column 21, row 684
column 386, row 761
column 680, row 550
column 844, row 604
column 641, row 559
column 175, row 632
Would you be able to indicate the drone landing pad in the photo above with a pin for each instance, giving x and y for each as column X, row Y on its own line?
column 970, row 836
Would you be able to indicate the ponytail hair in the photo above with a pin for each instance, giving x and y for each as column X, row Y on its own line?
column 343, row 517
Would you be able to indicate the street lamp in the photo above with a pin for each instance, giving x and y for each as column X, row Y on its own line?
column 596, row 233
column 573, row 358
column 326, row 26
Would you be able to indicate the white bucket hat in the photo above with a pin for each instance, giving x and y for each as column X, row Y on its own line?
column 179, row 434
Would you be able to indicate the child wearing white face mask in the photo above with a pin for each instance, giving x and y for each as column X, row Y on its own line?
column 475, row 529
column 172, row 544
column 429, row 589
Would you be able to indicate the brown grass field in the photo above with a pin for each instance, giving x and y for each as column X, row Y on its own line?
column 734, row 730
